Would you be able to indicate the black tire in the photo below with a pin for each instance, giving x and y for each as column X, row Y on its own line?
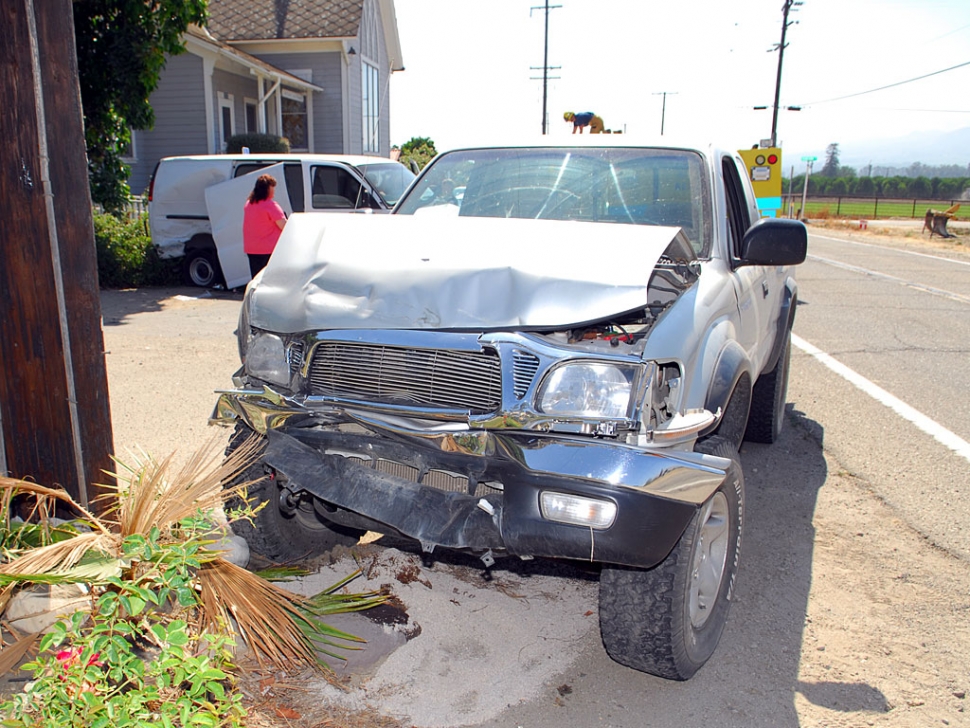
column 201, row 268
column 667, row 620
column 768, row 400
column 283, row 535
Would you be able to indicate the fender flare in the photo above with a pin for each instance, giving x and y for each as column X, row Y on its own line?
column 732, row 368
column 786, row 320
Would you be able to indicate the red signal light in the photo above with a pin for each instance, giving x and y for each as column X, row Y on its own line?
column 772, row 159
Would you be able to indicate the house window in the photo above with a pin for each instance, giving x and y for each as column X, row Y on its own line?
column 129, row 153
column 370, row 88
column 252, row 124
column 294, row 113
column 227, row 120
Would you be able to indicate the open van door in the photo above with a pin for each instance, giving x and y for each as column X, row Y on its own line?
column 225, row 202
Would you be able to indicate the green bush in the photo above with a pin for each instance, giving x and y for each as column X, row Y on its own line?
column 258, row 144
column 126, row 256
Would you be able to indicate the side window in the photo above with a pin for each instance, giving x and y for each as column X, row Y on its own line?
column 334, row 188
column 738, row 220
column 247, row 167
column 293, row 174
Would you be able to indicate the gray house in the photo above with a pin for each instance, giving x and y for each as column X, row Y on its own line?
column 314, row 71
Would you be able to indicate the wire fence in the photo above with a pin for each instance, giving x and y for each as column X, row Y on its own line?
column 872, row 208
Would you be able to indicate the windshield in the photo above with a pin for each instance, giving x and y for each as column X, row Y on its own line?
column 390, row 179
column 614, row 185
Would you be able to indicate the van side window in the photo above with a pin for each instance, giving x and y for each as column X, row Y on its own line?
column 334, row 188
column 293, row 174
column 248, row 167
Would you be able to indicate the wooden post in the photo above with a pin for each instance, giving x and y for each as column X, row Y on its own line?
column 55, row 420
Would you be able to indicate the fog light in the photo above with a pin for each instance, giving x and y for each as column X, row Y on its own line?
column 576, row 510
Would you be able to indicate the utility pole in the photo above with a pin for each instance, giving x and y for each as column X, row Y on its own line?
column 55, row 421
column 545, row 64
column 809, row 161
column 663, row 109
column 785, row 9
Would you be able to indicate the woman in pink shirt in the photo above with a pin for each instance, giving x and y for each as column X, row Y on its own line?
column 263, row 221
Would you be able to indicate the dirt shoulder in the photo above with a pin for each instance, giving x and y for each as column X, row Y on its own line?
column 906, row 234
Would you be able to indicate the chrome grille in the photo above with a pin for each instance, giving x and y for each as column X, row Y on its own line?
column 437, row 378
column 437, row 479
column 524, row 368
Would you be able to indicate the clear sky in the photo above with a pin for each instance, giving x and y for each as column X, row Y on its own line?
column 469, row 74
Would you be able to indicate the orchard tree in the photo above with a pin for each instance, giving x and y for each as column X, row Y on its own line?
column 419, row 149
column 831, row 167
column 121, row 49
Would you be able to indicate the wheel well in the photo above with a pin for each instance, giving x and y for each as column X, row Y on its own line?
column 734, row 421
column 200, row 241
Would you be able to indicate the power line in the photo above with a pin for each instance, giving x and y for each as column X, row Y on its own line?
column 892, row 85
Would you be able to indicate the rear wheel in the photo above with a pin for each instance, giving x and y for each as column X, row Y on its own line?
column 668, row 620
column 201, row 268
column 288, row 527
column 768, row 398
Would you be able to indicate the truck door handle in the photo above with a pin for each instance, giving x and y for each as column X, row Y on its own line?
column 764, row 289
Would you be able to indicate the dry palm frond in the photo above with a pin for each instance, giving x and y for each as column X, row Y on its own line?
column 63, row 557
column 147, row 497
column 280, row 627
column 11, row 655
column 14, row 486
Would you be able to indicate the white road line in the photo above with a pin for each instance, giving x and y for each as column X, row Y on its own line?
column 932, row 428
column 895, row 250
column 893, row 279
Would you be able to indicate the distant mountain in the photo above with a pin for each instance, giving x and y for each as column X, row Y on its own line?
column 925, row 147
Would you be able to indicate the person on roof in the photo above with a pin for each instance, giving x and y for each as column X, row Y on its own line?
column 582, row 120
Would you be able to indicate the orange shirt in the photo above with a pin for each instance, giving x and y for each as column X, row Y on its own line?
column 260, row 231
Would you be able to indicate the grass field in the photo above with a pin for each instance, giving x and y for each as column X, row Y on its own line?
column 874, row 209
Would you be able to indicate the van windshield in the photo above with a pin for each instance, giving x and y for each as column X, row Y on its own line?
column 390, row 179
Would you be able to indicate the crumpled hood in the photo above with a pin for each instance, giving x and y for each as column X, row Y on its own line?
column 333, row 271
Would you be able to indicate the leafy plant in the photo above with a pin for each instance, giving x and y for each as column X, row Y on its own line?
column 156, row 645
column 126, row 256
column 420, row 150
column 121, row 48
column 258, row 144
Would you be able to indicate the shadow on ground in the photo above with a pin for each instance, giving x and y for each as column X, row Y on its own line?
column 119, row 305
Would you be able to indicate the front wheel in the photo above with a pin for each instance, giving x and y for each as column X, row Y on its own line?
column 287, row 527
column 667, row 620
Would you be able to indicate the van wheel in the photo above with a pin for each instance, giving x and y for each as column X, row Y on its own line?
column 201, row 268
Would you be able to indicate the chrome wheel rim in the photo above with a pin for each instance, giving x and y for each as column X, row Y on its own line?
column 710, row 559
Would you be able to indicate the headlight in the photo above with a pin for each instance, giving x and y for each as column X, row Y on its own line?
column 242, row 331
column 588, row 389
column 266, row 358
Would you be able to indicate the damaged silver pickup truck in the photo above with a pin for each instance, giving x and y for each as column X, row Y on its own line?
column 544, row 351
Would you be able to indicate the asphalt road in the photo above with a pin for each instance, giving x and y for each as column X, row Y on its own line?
column 892, row 320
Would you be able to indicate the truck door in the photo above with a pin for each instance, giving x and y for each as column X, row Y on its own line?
column 225, row 203
column 760, row 288
column 749, row 282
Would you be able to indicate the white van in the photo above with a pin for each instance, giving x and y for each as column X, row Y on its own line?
column 195, row 203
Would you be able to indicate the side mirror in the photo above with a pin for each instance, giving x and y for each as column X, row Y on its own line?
column 774, row 241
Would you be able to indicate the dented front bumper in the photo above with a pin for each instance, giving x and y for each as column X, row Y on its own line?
column 448, row 485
